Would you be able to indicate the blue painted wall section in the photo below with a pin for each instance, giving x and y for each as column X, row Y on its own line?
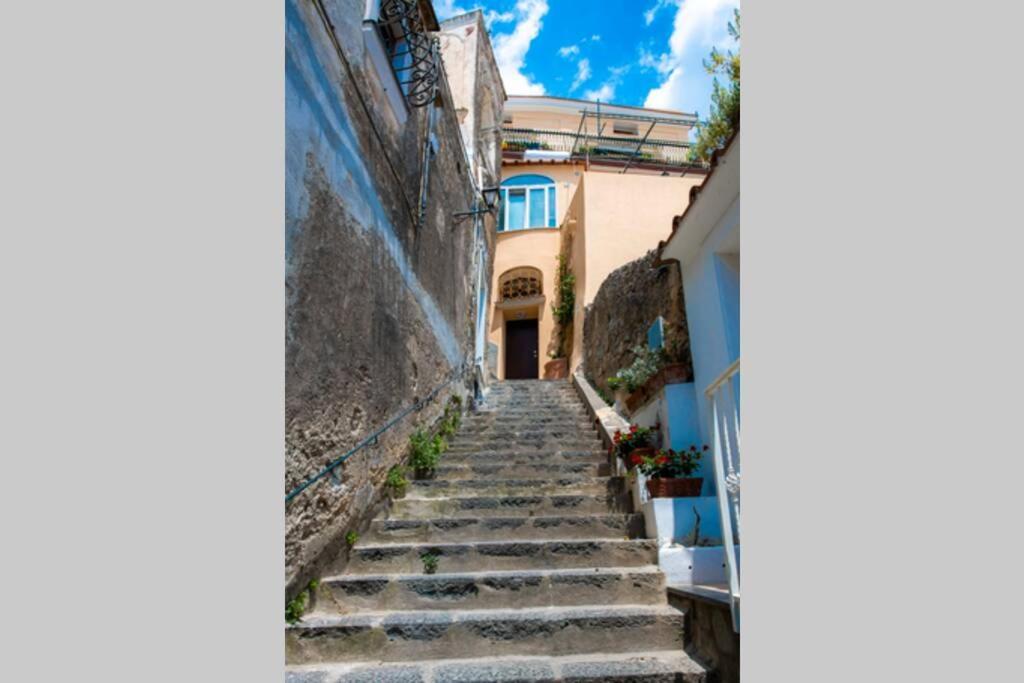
column 318, row 122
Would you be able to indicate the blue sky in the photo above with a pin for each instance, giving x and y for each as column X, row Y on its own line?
column 639, row 52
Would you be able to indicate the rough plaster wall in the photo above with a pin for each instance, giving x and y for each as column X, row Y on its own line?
column 627, row 303
column 378, row 309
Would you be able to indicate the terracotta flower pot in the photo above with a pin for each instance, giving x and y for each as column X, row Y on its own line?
column 688, row 487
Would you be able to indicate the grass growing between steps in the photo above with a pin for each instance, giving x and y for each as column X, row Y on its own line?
column 294, row 610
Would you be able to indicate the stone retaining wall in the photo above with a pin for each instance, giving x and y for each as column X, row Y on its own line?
column 626, row 305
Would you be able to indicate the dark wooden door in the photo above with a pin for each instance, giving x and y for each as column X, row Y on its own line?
column 521, row 349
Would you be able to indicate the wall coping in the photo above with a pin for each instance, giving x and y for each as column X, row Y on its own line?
column 603, row 415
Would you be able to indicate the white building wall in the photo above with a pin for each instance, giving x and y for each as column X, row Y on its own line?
column 711, row 291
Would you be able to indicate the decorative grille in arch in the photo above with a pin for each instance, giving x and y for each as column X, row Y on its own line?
column 521, row 283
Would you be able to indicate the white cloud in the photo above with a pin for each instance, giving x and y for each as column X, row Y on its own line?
column 698, row 24
column 605, row 93
column 653, row 11
column 569, row 50
column 446, row 9
column 492, row 17
column 582, row 74
column 596, row 37
column 510, row 48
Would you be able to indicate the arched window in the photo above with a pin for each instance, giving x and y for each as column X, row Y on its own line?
column 520, row 283
column 527, row 201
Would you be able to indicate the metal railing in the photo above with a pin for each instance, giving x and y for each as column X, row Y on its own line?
column 597, row 147
column 332, row 467
column 723, row 396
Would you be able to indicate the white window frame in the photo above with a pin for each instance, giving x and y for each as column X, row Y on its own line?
column 381, row 62
column 526, row 215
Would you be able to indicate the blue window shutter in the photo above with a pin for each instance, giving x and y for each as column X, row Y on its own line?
column 656, row 334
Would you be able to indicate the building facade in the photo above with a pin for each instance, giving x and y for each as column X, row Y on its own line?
column 388, row 144
column 591, row 183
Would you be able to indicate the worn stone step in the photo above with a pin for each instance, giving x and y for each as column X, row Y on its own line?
column 668, row 666
column 527, row 427
column 512, row 469
column 551, row 631
column 569, row 484
column 444, row 530
column 505, row 506
column 595, row 448
column 350, row 594
column 502, row 419
column 548, row 435
column 502, row 555
column 597, row 456
column 545, row 443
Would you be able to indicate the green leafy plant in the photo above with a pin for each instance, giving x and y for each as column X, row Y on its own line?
column 452, row 419
column 624, row 443
column 724, row 119
column 351, row 538
column 396, row 480
column 670, row 464
column 426, row 451
column 430, row 561
column 297, row 606
column 646, row 363
column 564, row 307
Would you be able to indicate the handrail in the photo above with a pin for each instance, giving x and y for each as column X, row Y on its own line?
column 372, row 438
column 733, row 368
column 725, row 421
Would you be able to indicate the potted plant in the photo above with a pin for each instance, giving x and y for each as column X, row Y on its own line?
column 668, row 472
column 637, row 441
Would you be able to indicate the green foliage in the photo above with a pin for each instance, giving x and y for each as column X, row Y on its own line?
column 430, row 561
column 426, row 450
column 672, row 464
column 724, row 118
column 295, row 608
column 564, row 306
column 452, row 418
column 605, row 396
column 647, row 363
column 351, row 538
column 396, row 480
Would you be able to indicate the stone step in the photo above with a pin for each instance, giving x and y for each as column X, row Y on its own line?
column 535, row 442
column 502, row 555
column 472, row 529
column 514, row 414
column 566, row 485
column 551, row 631
column 504, row 506
column 350, row 594
column 517, row 426
column 596, row 456
column 548, row 435
column 520, row 470
column 540, row 419
column 669, row 666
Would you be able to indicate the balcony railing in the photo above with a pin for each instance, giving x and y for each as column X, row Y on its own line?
column 723, row 395
column 580, row 145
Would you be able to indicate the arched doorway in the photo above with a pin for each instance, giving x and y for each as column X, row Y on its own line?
column 522, row 294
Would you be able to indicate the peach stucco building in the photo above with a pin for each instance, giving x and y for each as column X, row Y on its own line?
column 596, row 182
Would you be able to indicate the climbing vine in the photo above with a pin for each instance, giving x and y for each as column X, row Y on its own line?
column 563, row 307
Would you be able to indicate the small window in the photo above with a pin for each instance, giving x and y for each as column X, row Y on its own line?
column 623, row 128
column 527, row 201
column 507, row 119
column 402, row 52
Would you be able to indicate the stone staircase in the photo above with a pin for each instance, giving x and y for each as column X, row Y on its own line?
column 540, row 576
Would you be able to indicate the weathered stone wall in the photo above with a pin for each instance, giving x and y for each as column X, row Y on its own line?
column 709, row 635
column 626, row 305
column 380, row 310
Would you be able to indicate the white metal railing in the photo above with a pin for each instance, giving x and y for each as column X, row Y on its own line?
column 723, row 395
